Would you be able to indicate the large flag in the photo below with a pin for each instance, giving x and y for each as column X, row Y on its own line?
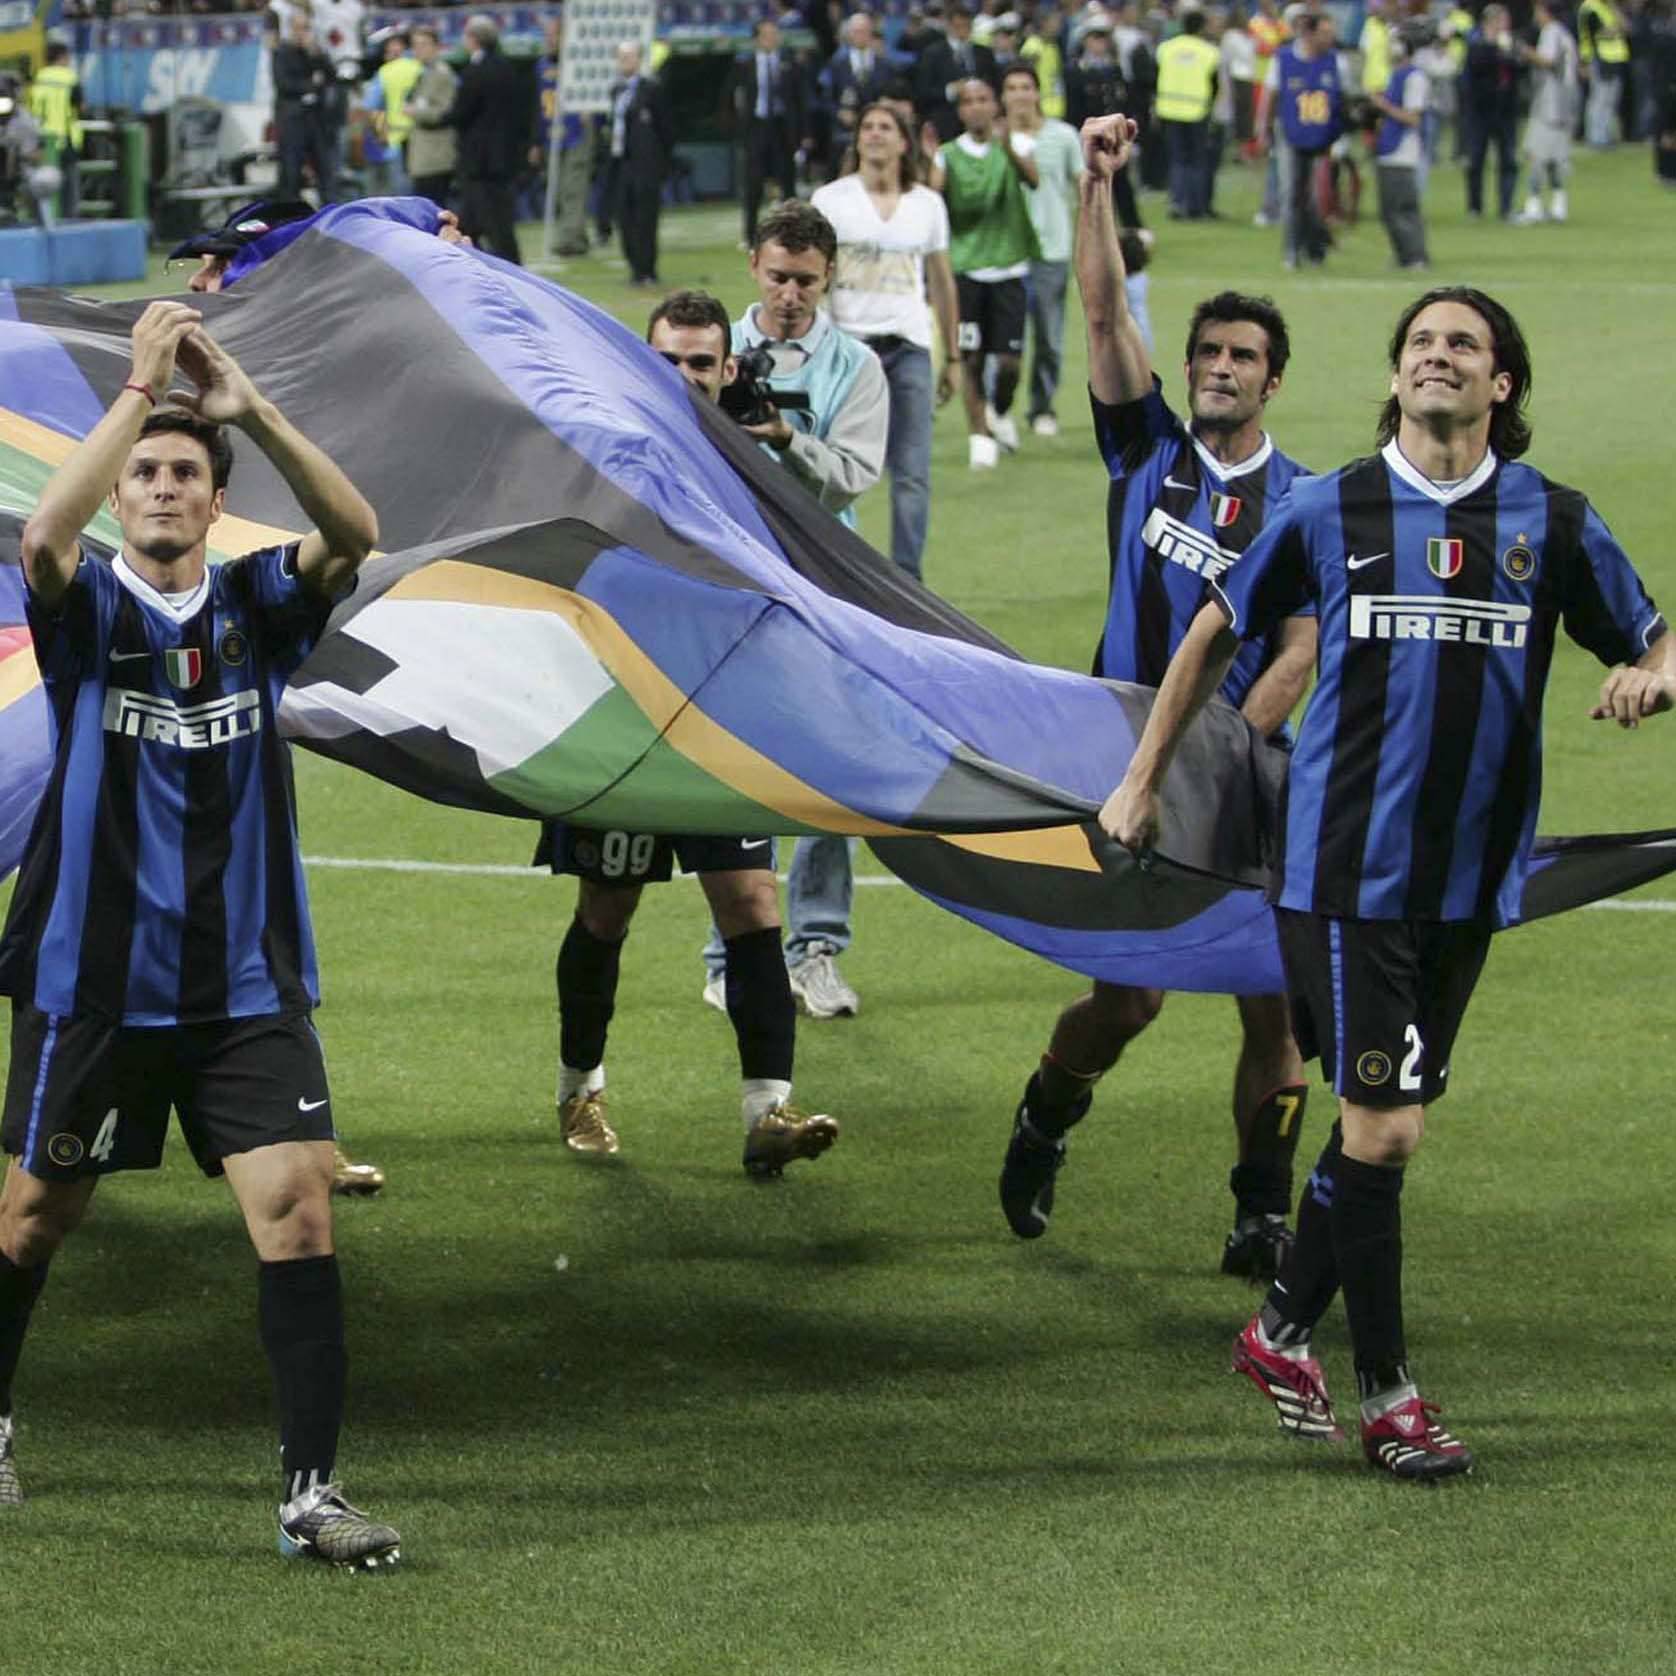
column 599, row 600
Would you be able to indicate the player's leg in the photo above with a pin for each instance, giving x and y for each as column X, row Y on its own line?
column 1269, row 1098
column 255, row 1105
column 1004, row 338
column 983, row 451
column 745, row 903
column 1088, row 1040
column 586, row 972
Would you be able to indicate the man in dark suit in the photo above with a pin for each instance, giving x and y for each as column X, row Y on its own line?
column 303, row 87
column 855, row 75
column 492, row 112
column 944, row 65
column 640, row 141
column 772, row 113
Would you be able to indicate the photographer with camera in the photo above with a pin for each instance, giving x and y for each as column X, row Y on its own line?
column 690, row 330
column 834, row 447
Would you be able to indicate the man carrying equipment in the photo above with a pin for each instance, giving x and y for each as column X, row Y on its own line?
column 690, row 330
column 1184, row 502
column 1441, row 570
column 158, row 950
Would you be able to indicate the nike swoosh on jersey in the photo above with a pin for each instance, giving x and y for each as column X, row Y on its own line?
column 1172, row 483
column 752, row 843
column 1354, row 563
column 128, row 657
column 309, row 1105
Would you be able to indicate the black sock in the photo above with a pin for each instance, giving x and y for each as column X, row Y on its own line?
column 19, row 1288
column 1006, row 387
column 760, row 1005
column 1309, row 1277
column 1056, row 1098
column 587, row 978
column 1367, row 1240
column 300, row 1308
column 1262, row 1180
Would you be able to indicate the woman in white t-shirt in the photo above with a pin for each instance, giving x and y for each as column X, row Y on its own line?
column 893, row 240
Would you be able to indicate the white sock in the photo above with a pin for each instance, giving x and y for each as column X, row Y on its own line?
column 1289, row 1352
column 572, row 1083
column 760, row 1096
column 1382, row 1402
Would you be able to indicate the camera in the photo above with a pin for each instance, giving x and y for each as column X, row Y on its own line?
column 750, row 398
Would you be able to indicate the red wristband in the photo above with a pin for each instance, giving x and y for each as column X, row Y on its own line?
column 141, row 389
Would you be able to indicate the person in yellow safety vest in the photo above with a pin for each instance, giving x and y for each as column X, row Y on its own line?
column 1041, row 52
column 55, row 104
column 390, row 123
column 1604, row 50
column 1187, row 76
column 1375, row 47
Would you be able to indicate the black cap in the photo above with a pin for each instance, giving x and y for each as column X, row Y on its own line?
column 242, row 227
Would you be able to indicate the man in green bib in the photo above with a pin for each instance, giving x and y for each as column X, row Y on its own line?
column 991, row 247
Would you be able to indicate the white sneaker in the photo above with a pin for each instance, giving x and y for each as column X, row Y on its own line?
column 983, row 453
column 1004, row 430
column 715, row 991
column 1557, row 207
column 1044, row 424
column 11, row 1491
column 819, row 990
column 1531, row 214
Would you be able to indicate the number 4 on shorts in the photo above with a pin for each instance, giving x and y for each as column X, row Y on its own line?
column 104, row 1143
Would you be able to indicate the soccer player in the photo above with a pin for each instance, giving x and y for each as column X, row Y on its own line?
column 691, row 330
column 1184, row 502
column 1441, row 569
column 158, row 950
column 983, row 177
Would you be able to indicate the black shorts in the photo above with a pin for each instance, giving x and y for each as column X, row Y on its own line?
column 86, row 1096
column 992, row 315
column 1380, row 1002
column 611, row 856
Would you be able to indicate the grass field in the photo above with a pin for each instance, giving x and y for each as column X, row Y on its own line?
column 651, row 1417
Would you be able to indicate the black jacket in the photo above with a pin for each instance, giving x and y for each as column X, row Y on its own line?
column 937, row 69
column 793, row 97
column 649, row 130
column 493, row 112
column 301, row 73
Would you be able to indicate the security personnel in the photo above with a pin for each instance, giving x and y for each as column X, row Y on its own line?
column 397, row 76
column 55, row 104
column 1604, row 50
column 1375, row 46
column 1042, row 54
column 1187, row 69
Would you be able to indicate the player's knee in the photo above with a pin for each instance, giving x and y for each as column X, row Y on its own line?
column 743, row 902
column 606, row 912
column 1386, row 1138
column 32, row 1238
column 1126, row 1012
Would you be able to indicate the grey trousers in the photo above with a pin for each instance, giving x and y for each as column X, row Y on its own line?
column 1399, row 209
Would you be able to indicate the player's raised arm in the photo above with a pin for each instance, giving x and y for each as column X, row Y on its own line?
column 1646, row 687
column 51, row 543
column 345, row 525
column 1119, row 367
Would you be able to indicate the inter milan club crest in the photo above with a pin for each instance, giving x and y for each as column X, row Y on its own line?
column 1518, row 561
column 1445, row 555
column 234, row 648
column 184, row 666
column 1224, row 509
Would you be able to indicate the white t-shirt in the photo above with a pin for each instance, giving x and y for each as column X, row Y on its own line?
column 1409, row 148
column 878, row 288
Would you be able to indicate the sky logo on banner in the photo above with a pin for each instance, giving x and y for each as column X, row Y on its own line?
column 1224, row 509
column 1445, row 556
column 185, row 664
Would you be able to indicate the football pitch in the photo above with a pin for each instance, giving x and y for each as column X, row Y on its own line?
column 648, row 1416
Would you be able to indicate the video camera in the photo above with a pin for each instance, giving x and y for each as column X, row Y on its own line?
column 751, row 399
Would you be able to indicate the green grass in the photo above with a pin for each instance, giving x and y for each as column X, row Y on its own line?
column 846, row 1423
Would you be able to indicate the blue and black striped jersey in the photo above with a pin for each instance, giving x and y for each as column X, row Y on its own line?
column 1175, row 519
column 1414, row 787
column 162, row 882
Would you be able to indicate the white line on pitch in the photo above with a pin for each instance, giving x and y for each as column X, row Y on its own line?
column 501, row 870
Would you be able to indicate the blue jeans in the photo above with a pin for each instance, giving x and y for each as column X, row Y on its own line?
column 819, row 890
column 1189, row 148
column 1047, row 332
column 908, row 449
